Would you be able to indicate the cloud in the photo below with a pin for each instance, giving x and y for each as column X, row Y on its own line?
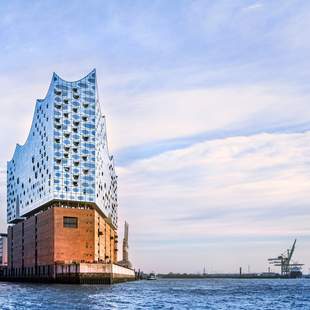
column 239, row 188
column 253, row 7
column 152, row 116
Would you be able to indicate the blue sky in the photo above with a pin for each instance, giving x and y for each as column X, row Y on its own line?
column 208, row 119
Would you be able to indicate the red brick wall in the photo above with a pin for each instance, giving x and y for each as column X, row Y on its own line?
column 45, row 237
column 56, row 243
column 106, row 250
column 74, row 244
column 17, row 245
column 10, row 249
column 29, row 242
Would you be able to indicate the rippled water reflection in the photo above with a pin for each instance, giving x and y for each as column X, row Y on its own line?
column 161, row 294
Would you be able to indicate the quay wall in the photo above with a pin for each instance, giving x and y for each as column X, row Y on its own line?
column 72, row 273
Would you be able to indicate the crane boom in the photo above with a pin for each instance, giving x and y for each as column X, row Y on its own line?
column 291, row 252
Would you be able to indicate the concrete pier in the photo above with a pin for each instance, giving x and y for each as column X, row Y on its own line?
column 80, row 273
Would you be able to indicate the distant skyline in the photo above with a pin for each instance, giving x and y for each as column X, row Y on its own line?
column 207, row 106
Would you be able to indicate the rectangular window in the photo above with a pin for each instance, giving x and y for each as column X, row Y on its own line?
column 70, row 222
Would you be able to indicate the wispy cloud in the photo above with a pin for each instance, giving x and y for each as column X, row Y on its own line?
column 245, row 187
column 253, row 7
column 185, row 113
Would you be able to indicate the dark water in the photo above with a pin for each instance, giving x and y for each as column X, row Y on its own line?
column 161, row 294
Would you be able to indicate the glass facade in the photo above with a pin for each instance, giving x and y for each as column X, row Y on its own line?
column 65, row 156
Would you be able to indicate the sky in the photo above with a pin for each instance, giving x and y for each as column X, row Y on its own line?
column 207, row 107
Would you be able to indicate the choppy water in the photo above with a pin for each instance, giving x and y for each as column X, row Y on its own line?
column 161, row 294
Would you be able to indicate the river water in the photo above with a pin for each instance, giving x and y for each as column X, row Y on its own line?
column 161, row 294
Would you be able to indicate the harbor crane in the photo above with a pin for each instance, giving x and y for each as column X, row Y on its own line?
column 284, row 261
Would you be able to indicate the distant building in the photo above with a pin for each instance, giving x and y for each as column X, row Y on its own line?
column 3, row 249
column 61, row 184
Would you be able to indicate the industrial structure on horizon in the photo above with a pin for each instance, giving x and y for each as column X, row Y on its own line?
column 62, row 190
column 284, row 261
column 125, row 261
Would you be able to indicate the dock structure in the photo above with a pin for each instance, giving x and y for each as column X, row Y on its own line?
column 284, row 261
column 75, row 273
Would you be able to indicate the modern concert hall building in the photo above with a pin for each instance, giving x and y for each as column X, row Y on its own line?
column 62, row 189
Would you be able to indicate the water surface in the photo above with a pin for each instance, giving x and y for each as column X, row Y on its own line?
column 161, row 294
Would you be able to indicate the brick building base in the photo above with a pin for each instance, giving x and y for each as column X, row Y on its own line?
column 60, row 235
